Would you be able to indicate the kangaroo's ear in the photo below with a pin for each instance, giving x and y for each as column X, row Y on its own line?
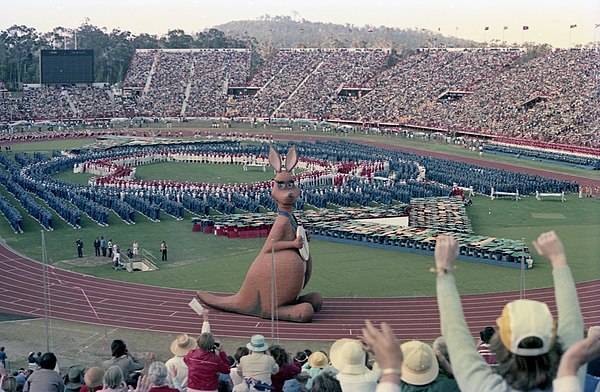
column 291, row 159
column 275, row 160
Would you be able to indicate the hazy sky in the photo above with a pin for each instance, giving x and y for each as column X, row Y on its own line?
column 548, row 20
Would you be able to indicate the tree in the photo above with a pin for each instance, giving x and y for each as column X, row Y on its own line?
column 21, row 48
column 177, row 39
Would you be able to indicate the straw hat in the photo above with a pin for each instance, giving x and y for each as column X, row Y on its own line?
column 318, row 360
column 182, row 345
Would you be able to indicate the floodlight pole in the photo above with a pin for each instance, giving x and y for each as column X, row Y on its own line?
column 272, row 292
column 45, row 287
column 522, row 282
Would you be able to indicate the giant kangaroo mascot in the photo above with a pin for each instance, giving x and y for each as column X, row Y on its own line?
column 292, row 272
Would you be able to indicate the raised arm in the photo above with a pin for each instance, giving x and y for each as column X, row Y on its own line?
column 387, row 352
column 573, row 359
column 570, row 321
column 471, row 372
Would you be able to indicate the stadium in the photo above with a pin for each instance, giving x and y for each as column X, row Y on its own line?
column 490, row 145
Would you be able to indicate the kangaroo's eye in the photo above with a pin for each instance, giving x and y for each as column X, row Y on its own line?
column 290, row 184
column 280, row 184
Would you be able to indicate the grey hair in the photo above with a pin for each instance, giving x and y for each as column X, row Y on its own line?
column 113, row 377
column 206, row 341
column 158, row 373
column 440, row 345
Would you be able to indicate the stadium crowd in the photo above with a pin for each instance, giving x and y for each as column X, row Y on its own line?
column 527, row 350
column 546, row 97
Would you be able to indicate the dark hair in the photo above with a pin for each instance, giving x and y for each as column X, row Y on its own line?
column 241, row 352
column 526, row 373
column 326, row 382
column 48, row 361
column 231, row 360
column 487, row 334
column 280, row 356
column 118, row 348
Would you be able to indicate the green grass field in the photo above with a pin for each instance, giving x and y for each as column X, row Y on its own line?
column 201, row 261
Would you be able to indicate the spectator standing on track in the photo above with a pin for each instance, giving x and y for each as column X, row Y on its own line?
column 103, row 246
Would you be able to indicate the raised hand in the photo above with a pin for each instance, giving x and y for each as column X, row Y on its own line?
column 446, row 250
column 551, row 247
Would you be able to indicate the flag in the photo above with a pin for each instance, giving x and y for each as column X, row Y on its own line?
column 486, row 28
column 597, row 25
column 525, row 27
column 572, row 26
column 505, row 28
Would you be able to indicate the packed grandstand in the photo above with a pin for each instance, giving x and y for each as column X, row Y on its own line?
column 528, row 104
column 546, row 98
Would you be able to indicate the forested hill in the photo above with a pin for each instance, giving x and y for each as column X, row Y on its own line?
column 283, row 31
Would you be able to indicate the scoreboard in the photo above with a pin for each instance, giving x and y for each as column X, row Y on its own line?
column 67, row 66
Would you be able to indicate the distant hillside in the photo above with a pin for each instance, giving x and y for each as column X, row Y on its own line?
column 282, row 31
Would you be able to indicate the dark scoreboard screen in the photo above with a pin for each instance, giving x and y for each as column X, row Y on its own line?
column 67, row 66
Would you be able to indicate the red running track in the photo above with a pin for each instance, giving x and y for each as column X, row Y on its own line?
column 83, row 298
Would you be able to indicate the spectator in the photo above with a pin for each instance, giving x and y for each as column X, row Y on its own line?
column 326, row 382
column 258, row 365
column 113, row 380
column 205, row 363
column 45, row 379
column 92, row 379
column 528, row 345
column 573, row 360
column 483, row 348
column 315, row 364
column 349, row 358
column 8, row 383
column 74, row 379
column 180, row 347
column 236, row 378
column 158, row 375
column 3, row 357
column 288, row 367
column 420, row 369
column 441, row 352
column 124, row 360
column 33, row 363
